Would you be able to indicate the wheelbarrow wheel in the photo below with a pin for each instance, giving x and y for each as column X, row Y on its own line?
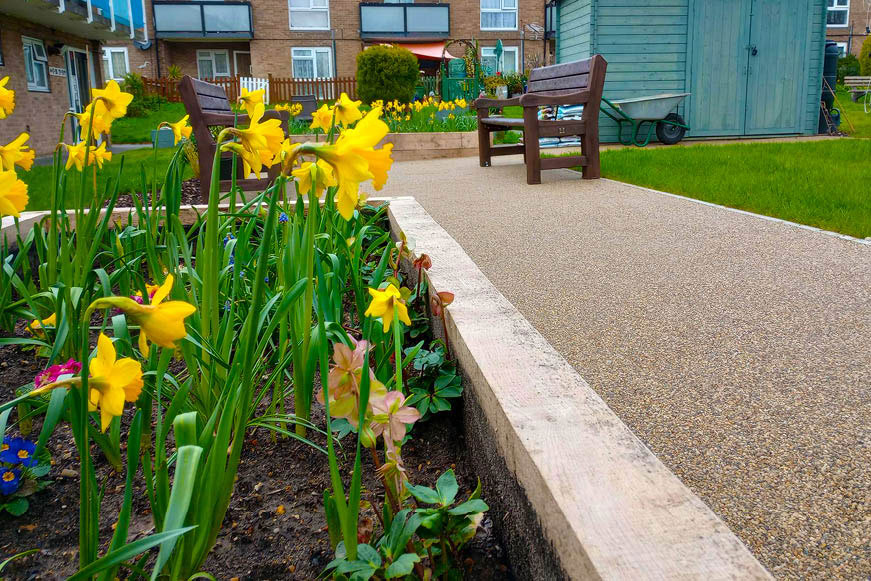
column 670, row 134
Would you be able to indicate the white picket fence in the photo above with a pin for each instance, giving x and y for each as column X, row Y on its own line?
column 255, row 84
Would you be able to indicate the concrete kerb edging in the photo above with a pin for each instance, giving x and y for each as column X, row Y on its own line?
column 606, row 505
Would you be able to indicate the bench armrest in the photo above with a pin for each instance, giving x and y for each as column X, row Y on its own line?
column 573, row 98
column 483, row 102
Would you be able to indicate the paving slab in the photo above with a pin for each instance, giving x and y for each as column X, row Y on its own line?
column 737, row 348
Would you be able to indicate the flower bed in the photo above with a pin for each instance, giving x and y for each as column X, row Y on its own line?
column 260, row 373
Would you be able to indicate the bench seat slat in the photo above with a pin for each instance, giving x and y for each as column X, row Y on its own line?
column 503, row 121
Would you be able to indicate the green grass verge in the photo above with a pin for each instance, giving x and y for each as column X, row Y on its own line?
column 824, row 184
column 853, row 113
column 38, row 179
column 138, row 129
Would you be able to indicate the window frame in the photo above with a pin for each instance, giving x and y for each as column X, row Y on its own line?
column 505, row 49
column 35, row 58
column 843, row 47
column 311, row 8
column 107, row 56
column 845, row 9
column 212, row 52
column 501, row 9
column 315, row 50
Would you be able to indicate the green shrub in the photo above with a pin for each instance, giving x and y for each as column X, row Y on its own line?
column 142, row 103
column 848, row 66
column 386, row 72
column 865, row 56
column 493, row 81
column 515, row 82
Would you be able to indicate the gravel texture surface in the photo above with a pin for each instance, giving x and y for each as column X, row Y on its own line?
column 738, row 349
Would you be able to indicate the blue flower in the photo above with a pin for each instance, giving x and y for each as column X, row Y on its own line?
column 18, row 451
column 266, row 279
column 282, row 217
column 227, row 239
column 227, row 305
column 10, row 481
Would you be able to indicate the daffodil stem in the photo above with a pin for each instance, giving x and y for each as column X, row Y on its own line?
column 397, row 347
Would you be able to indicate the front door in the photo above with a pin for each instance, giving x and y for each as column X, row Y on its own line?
column 242, row 62
column 747, row 66
column 776, row 85
column 78, row 82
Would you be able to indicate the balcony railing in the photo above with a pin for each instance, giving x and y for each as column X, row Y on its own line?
column 93, row 19
column 215, row 19
column 379, row 20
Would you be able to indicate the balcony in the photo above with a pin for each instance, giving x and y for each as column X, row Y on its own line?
column 91, row 19
column 199, row 20
column 408, row 21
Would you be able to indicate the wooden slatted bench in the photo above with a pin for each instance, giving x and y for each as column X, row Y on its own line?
column 208, row 106
column 574, row 83
column 309, row 106
column 857, row 86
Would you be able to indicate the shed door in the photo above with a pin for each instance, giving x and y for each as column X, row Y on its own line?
column 721, row 33
column 775, row 81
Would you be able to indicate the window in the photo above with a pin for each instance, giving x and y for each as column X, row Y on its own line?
column 309, row 14
column 508, row 64
column 842, row 48
column 399, row 1
column 213, row 63
column 312, row 63
column 115, row 64
column 838, row 13
column 35, row 64
column 498, row 14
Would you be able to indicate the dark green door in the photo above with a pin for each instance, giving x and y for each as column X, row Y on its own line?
column 721, row 33
column 775, row 84
column 747, row 66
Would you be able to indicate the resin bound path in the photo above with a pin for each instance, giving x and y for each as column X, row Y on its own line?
column 737, row 348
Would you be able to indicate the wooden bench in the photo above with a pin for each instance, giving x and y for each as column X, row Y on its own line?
column 857, row 86
column 574, row 83
column 208, row 107
column 309, row 106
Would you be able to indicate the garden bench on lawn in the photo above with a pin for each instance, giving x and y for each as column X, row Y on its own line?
column 309, row 106
column 574, row 83
column 857, row 86
column 208, row 106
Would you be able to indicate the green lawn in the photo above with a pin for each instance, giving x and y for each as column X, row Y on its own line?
column 826, row 184
column 853, row 113
column 138, row 129
column 38, row 179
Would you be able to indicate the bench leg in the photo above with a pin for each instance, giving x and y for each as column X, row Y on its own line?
column 531, row 153
column 590, row 146
column 483, row 146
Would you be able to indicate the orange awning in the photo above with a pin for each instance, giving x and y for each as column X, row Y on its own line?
column 426, row 50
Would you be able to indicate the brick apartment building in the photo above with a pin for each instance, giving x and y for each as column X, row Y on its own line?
column 321, row 38
column 51, row 52
column 848, row 23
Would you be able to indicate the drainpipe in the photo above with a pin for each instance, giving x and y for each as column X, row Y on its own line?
column 522, row 53
column 335, row 60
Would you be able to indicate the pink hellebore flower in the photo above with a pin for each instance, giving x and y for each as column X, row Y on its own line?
column 391, row 415
column 52, row 374
column 344, row 380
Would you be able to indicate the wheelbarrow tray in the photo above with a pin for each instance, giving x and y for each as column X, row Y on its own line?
column 650, row 108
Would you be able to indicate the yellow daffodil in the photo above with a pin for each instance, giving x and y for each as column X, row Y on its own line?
column 38, row 329
column 285, row 151
column 7, row 99
column 112, row 382
column 181, row 129
column 101, row 123
column 347, row 111
column 379, row 164
column 99, row 155
column 250, row 99
column 382, row 305
column 260, row 142
column 295, row 109
column 112, row 101
column 322, row 119
column 319, row 174
column 347, row 198
column 17, row 152
column 461, row 103
column 76, row 155
column 282, row 107
column 13, row 194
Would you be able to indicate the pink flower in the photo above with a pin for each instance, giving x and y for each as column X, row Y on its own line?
column 52, row 374
column 343, row 382
column 391, row 415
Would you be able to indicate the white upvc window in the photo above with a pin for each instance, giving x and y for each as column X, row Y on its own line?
column 312, row 62
column 508, row 63
column 115, row 63
column 35, row 64
column 842, row 48
column 498, row 14
column 213, row 63
column 838, row 14
column 309, row 14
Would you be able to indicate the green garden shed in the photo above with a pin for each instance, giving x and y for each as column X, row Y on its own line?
column 753, row 67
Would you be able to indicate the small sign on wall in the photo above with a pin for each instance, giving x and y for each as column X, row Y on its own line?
column 57, row 72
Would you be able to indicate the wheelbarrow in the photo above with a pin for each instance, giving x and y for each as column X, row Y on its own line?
column 655, row 110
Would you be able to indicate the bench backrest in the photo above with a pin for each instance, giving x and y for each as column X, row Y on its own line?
column 309, row 105
column 857, row 81
column 567, row 78
column 201, row 98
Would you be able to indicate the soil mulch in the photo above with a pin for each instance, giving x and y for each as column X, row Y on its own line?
column 190, row 194
column 274, row 528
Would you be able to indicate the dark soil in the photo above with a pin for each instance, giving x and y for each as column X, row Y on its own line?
column 274, row 528
column 190, row 194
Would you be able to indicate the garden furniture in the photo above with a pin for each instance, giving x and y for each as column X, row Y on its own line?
column 309, row 105
column 574, row 83
column 208, row 107
column 857, row 86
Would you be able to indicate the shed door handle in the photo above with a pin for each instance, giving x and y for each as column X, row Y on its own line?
column 753, row 51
